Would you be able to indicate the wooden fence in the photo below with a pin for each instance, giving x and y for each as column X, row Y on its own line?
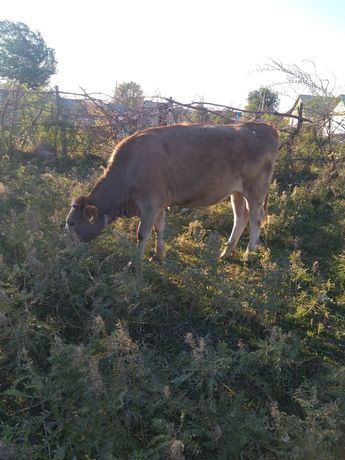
column 68, row 122
column 87, row 123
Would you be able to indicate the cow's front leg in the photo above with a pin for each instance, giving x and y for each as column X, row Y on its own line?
column 148, row 218
column 239, row 207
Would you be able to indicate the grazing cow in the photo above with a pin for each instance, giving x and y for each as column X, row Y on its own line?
column 183, row 165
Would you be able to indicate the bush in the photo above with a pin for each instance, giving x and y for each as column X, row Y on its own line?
column 193, row 358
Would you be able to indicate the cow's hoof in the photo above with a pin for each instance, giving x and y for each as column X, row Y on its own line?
column 227, row 253
column 250, row 258
column 133, row 266
column 155, row 259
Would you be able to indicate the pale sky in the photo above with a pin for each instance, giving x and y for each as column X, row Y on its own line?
column 185, row 49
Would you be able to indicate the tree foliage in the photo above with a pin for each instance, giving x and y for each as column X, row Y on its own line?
column 130, row 95
column 305, row 77
column 24, row 56
column 262, row 99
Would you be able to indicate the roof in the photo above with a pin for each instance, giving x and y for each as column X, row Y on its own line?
column 315, row 105
column 342, row 98
column 339, row 109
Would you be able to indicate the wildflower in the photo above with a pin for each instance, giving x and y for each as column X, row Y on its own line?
column 78, row 356
column 274, row 409
column 95, row 377
column 285, row 438
column 98, row 326
column 176, row 450
column 217, row 433
column 199, row 348
column 166, row 391
column 241, row 345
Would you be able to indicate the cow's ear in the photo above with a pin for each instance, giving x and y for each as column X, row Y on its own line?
column 91, row 213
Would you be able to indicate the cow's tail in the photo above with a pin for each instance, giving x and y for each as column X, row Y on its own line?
column 265, row 218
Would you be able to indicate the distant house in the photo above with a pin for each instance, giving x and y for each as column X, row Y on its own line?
column 71, row 106
column 315, row 108
column 337, row 123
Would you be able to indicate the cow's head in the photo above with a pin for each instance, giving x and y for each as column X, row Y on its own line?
column 83, row 220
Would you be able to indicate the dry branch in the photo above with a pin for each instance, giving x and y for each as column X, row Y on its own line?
column 196, row 106
column 89, row 123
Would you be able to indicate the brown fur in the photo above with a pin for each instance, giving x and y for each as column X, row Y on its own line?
column 187, row 166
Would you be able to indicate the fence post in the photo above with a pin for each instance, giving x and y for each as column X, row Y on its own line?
column 3, row 136
column 60, row 124
column 56, row 118
column 14, row 116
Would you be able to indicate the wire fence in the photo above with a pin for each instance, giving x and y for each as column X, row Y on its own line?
column 65, row 123
column 69, row 122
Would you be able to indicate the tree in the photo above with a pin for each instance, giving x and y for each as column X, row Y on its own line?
column 130, row 95
column 316, row 91
column 263, row 100
column 305, row 77
column 24, row 55
column 200, row 114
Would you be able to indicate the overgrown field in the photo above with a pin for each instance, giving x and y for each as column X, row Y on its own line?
column 193, row 358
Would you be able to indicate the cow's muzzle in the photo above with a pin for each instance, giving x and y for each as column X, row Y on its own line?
column 71, row 234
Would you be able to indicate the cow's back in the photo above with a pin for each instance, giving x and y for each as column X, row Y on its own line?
column 196, row 165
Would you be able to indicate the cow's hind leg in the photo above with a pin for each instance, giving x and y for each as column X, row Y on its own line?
column 241, row 215
column 257, row 215
column 159, row 226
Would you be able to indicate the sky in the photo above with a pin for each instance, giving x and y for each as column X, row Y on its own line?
column 186, row 49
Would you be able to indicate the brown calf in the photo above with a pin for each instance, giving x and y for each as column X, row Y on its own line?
column 187, row 166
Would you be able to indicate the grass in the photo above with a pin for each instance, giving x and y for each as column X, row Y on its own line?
column 193, row 358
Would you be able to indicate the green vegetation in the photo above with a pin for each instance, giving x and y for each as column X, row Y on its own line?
column 193, row 358
column 129, row 95
column 263, row 99
column 24, row 56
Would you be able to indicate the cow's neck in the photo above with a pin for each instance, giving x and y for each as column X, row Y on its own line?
column 108, row 197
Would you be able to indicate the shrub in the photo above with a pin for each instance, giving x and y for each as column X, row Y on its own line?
column 195, row 357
